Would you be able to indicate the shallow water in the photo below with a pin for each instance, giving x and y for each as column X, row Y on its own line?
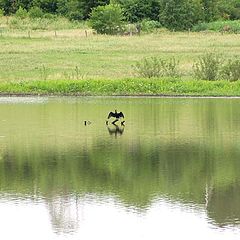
column 172, row 172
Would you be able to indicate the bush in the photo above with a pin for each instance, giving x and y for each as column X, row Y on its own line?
column 35, row 12
column 50, row 16
column 231, row 70
column 1, row 12
column 219, row 26
column 157, row 67
column 107, row 19
column 21, row 13
column 149, row 25
column 208, row 67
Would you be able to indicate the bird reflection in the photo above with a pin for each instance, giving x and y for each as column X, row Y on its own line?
column 115, row 130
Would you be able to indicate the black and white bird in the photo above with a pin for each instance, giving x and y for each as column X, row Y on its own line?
column 115, row 115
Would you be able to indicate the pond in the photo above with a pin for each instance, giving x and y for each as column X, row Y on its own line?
column 171, row 172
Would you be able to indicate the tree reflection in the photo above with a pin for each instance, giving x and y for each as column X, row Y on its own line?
column 136, row 174
column 64, row 213
column 184, row 150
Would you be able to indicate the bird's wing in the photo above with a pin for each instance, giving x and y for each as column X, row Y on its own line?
column 121, row 115
column 111, row 114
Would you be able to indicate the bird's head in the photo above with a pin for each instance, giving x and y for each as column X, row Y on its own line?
column 115, row 111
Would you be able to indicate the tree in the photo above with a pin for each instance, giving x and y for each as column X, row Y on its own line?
column 78, row 9
column 9, row 6
column 210, row 10
column 48, row 6
column 180, row 14
column 137, row 10
column 88, row 5
column 107, row 19
column 229, row 9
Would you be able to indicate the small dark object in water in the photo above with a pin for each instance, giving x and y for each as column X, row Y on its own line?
column 87, row 123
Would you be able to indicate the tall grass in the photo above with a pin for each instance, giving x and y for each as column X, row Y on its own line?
column 208, row 67
column 157, row 67
column 53, row 23
column 231, row 70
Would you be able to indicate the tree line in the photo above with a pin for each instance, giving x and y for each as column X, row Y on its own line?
column 172, row 14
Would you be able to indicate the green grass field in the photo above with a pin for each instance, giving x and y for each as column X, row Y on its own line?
column 68, row 54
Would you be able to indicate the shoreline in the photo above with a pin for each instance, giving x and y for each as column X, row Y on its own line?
column 3, row 95
column 132, row 87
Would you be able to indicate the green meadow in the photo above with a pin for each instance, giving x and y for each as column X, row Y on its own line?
column 74, row 53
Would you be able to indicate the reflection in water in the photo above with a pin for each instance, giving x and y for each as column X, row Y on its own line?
column 180, row 159
column 64, row 213
column 115, row 130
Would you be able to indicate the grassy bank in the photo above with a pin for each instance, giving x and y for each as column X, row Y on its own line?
column 71, row 55
column 67, row 58
column 132, row 86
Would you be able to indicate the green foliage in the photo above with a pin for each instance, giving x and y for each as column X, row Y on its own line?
column 44, row 72
column 229, row 9
column 107, row 19
column 172, row 14
column 125, row 86
column 172, row 68
column 157, row 67
column 71, row 9
column 48, row 6
column 48, row 22
column 210, row 10
column 35, row 12
column 219, row 26
column 21, row 13
column 208, row 67
column 231, row 70
column 180, row 14
column 78, row 9
column 137, row 10
column 1, row 12
column 149, row 25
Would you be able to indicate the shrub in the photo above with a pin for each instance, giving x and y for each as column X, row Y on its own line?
column 149, row 25
column 49, row 16
column 1, row 12
column 157, row 67
column 21, row 13
column 107, row 19
column 172, row 68
column 207, row 67
column 35, row 12
column 231, row 70
column 219, row 26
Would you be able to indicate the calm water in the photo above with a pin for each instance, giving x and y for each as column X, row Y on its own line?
column 172, row 172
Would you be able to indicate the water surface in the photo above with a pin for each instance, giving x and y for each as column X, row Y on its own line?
column 172, row 172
